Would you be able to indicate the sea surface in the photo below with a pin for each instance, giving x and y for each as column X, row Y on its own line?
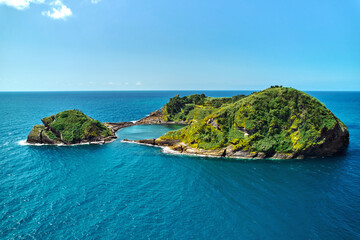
column 129, row 191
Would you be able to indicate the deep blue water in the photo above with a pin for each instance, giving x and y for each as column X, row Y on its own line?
column 129, row 191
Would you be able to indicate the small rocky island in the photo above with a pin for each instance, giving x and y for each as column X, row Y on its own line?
column 70, row 127
column 276, row 123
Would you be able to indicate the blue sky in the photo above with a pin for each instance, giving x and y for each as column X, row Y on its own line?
column 59, row 45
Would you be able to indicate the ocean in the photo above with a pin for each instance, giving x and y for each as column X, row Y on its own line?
column 129, row 191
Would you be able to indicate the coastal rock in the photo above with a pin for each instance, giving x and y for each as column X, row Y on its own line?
column 156, row 118
column 147, row 141
column 153, row 118
column 35, row 134
column 166, row 142
column 116, row 126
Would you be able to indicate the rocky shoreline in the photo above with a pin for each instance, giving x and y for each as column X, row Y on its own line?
column 178, row 147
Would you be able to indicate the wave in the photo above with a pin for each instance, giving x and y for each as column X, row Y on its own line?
column 25, row 143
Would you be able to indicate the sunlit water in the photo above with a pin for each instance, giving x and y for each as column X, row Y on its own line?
column 129, row 191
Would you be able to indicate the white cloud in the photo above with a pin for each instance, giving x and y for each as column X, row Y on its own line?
column 59, row 11
column 20, row 4
column 138, row 83
column 95, row 1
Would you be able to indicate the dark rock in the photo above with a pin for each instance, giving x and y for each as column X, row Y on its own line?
column 155, row 117
column 116, row 126
column 147, row 141
column 213, row 123
column 35, row 134
column 166, row 142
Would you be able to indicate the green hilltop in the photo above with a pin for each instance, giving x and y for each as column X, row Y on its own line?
column 275, row 120
column 194, row 107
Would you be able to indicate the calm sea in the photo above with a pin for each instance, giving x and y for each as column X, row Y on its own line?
column 129, row 191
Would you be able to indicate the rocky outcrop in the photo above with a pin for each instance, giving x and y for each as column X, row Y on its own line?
column 70, row 127
column 153, row 118
column 335, row 141
column 117, row 126
column 156, row 117
column 213, row 123
column 35, row 134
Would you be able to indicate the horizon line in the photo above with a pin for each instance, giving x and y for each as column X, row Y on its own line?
column 154, row 90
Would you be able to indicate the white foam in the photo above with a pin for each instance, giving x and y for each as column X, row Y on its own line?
column 25, row 143
column 168, row 150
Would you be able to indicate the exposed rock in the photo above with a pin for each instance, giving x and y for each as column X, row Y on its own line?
column 116, row 126
column 155, row 118
column 335, row 141
column 213, row 123
column 147, row 141
column 166, row 142
column 35, row 134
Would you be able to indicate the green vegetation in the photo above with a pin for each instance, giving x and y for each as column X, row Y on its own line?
column 275, row 120
column 51, row 135
column 194, row 107
column 73, row 126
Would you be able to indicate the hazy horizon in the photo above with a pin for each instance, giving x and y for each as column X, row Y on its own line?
column 166, row 90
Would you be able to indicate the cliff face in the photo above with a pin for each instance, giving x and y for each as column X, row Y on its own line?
column 70, row 127
column 279, row 123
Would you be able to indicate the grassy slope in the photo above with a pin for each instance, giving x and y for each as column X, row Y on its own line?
column 73, row 126
column 195, row 107
column 274, row 120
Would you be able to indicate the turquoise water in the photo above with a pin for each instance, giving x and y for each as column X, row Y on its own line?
column 128, row 191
